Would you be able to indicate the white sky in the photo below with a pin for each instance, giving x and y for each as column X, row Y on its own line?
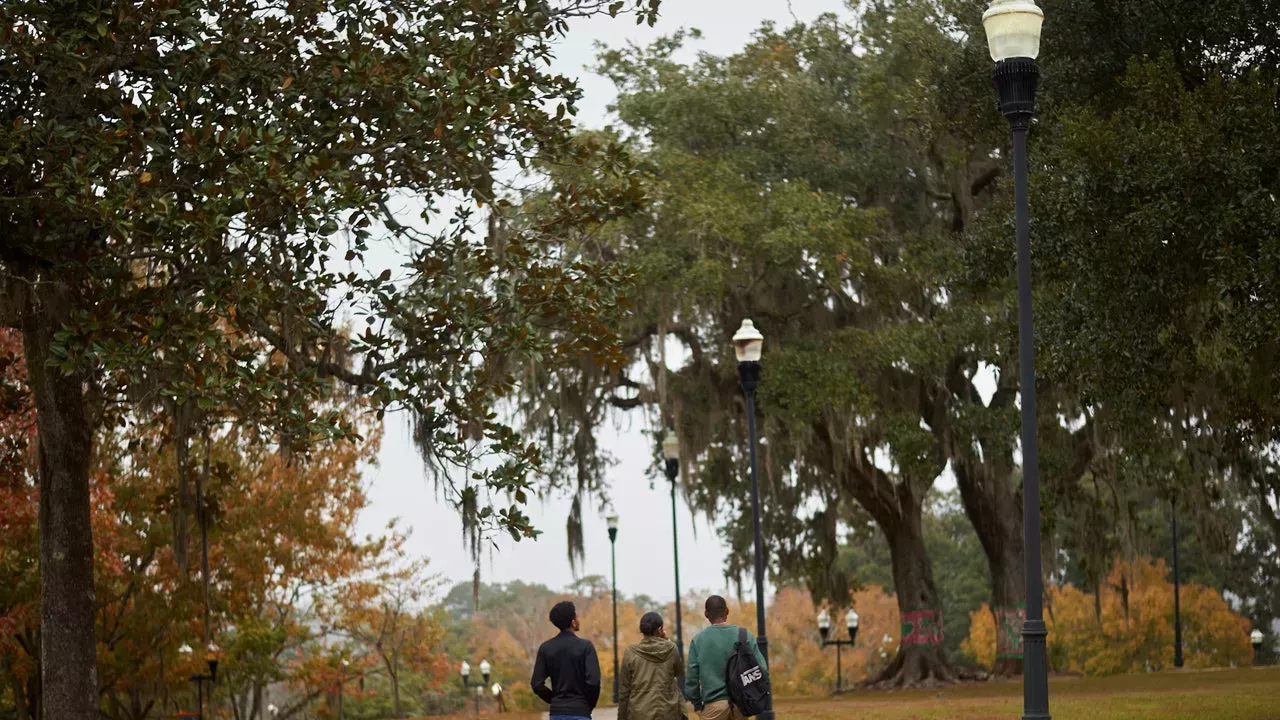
column 401, row 489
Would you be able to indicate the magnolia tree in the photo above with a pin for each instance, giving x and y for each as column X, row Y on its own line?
column 189, row 189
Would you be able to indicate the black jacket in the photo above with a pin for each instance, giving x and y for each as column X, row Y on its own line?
column 570, row 662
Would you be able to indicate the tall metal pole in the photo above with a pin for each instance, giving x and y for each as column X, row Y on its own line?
column 1016, row 80
column 1177, row 606
column 839, row 671
column 675, row 545
column 613, row 561
column 750, row 377
column 200, row 698
column 673, row 471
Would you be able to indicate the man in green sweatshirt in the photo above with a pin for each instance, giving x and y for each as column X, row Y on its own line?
column 705, row 683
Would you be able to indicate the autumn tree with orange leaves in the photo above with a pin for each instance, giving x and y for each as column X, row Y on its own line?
column 392, row 626
column 1134, row 629
column 281, row 532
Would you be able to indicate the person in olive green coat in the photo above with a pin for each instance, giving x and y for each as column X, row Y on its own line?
column 647, row 687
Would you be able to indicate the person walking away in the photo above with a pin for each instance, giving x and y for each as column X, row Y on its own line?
column 706, row 682
column 570, row 663
column 647, row 687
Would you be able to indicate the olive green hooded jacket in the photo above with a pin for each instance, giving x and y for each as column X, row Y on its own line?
column 647, row 688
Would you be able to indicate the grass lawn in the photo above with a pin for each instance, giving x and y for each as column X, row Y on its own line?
column 1244, row 694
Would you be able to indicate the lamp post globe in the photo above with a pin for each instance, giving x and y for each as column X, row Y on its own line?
column 670, row 446
column 485, row 667
column 851, row 624
column 1013, row 29
column 748, row 343
column 1255, row 638
column 464, row 670
column 824, row 623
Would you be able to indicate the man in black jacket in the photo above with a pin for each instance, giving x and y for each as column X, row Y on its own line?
column 570, row 662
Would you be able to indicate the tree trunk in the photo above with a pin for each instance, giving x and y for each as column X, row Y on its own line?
column 996, row 514
column 19, row 692
column 67, row 654
column 395, row 695
column 916, row 665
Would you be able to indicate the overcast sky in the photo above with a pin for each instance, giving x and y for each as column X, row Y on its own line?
column 400, row 489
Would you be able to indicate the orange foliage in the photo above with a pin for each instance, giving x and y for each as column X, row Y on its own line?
column 1133, row 638
column 19, row 590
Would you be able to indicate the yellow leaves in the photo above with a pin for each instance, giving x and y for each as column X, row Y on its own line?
column 981, row 643
column 288, row 81
column 1134, row 630
column 144, row 178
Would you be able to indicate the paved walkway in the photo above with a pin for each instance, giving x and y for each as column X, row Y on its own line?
column 600, row 713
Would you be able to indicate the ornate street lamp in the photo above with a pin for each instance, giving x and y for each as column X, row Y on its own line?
column 671, row 454
column 612, row 521
column 211, row 662
column 1255, row 638
column 824, row 629
column 465, row 671
column 748, row 345
column 1013, row 36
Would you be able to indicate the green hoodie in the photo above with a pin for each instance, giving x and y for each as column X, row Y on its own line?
column 647, row 687
column 708, row 659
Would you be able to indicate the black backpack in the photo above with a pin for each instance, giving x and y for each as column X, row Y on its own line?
column 747, row 682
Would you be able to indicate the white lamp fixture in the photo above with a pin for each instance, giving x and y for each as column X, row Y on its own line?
column 497, row 689
column 748, row 343
column 1256, row 637
column 851, row 620
column 824, row 621
column 1013, row 29
column 465, row 670
column 671, row 446
column 612, row 521
column 485, row 667
column 185, row 649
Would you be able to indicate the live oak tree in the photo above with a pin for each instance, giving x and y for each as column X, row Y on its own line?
column 822, row 192
column 189, row 188
column 1155, row 204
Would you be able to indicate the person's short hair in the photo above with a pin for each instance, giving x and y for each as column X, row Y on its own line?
column 716, row 608
column 562, row 614
column 650, row 624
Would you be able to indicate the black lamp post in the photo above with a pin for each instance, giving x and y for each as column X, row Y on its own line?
column 824, row 629
column 612, row 521
column 1255, row 638
column 1177, row 605
column 671, row 453
column 342, row 685
column 465, row 671
column 200, row 680
column 1013, row 35
column 747, row 346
